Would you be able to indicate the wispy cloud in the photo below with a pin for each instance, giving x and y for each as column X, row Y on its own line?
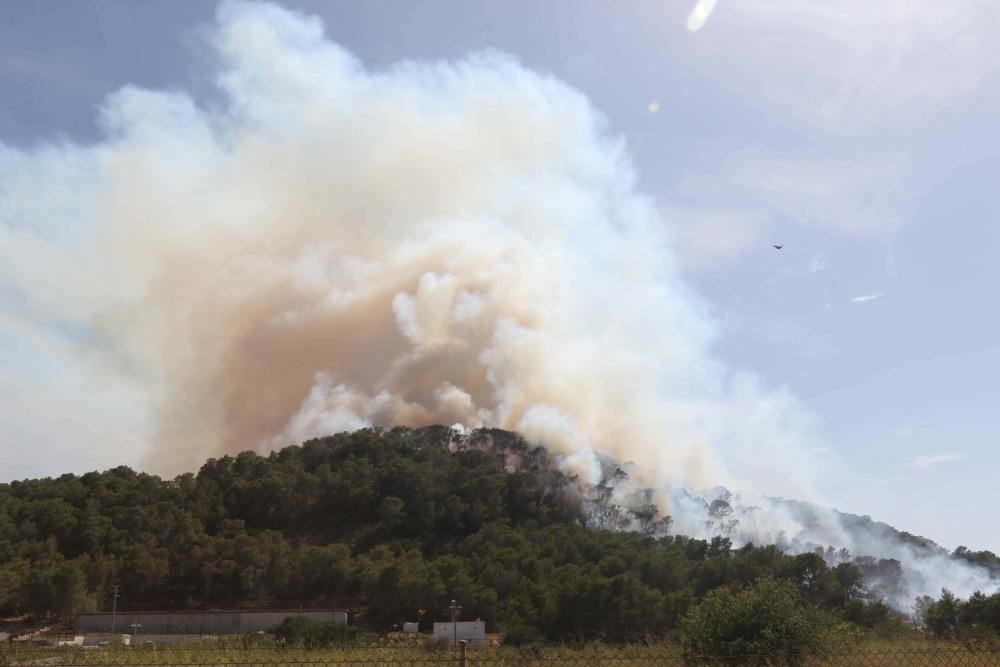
column 894, row 478
column 712, row 238
column 930, row 460
column 903, row 431
column 796, row 271
column 863, row 191
column 868, row 62
column 865, row 298
column 816, row 265
column 867, row 83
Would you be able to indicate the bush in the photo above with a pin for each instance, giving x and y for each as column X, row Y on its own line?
column 437, row 646
column 764, row 624
column 519, row 633
column 299, row 631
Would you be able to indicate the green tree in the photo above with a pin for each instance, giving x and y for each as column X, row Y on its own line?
column 759, row 625
column 404, row 520
column 70, row 592
column 943, row 617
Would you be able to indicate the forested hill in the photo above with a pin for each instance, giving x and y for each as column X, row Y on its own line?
column 389, row 521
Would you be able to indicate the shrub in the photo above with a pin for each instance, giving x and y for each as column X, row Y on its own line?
column 299, row 631
column 764, row 624
column 519, row 633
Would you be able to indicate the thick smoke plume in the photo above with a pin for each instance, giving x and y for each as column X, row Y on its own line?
column 326, row 247
column 321, row 247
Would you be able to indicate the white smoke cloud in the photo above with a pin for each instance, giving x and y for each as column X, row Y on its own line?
column 329, row 247
column 326, row 248
column 924, row 569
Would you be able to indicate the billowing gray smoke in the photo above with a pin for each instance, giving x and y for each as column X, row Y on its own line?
column 330, row 247
column 898, row 567
column 326, row 247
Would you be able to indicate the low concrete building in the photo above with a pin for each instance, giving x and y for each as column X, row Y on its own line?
column 473, row 632
column 201, row 622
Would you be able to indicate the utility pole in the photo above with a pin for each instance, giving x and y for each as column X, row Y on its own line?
column 114, row 607
column 420, row 615
column 454, row 619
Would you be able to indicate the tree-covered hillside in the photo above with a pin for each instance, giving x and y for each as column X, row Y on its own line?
column 392, row 523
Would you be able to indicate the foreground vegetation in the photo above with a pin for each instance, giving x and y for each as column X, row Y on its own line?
column 400, row 522
column 873, row 654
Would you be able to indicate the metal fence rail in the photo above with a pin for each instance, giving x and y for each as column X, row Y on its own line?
column 884, row 655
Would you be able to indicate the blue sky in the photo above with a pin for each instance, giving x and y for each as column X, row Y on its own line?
column 863, row 136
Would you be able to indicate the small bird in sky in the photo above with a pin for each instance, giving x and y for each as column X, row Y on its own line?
column 778, row 247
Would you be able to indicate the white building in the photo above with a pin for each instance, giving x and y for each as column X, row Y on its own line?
column 473, row 632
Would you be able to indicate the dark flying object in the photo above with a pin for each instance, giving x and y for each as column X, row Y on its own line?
column 778, row 247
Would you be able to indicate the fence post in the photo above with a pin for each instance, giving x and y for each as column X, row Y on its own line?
column 461, row 652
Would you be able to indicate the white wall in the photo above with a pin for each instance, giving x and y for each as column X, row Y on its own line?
column 469, row 630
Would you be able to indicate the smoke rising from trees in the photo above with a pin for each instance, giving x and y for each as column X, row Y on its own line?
column 322, row 247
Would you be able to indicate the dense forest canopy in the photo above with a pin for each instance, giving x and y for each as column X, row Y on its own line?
column 396, row 523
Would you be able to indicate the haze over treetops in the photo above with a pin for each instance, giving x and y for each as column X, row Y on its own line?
column 393, row 522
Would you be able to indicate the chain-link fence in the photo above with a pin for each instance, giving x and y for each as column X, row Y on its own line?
column 878, row 655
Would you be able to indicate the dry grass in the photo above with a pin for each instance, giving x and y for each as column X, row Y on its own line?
column 859, row 654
